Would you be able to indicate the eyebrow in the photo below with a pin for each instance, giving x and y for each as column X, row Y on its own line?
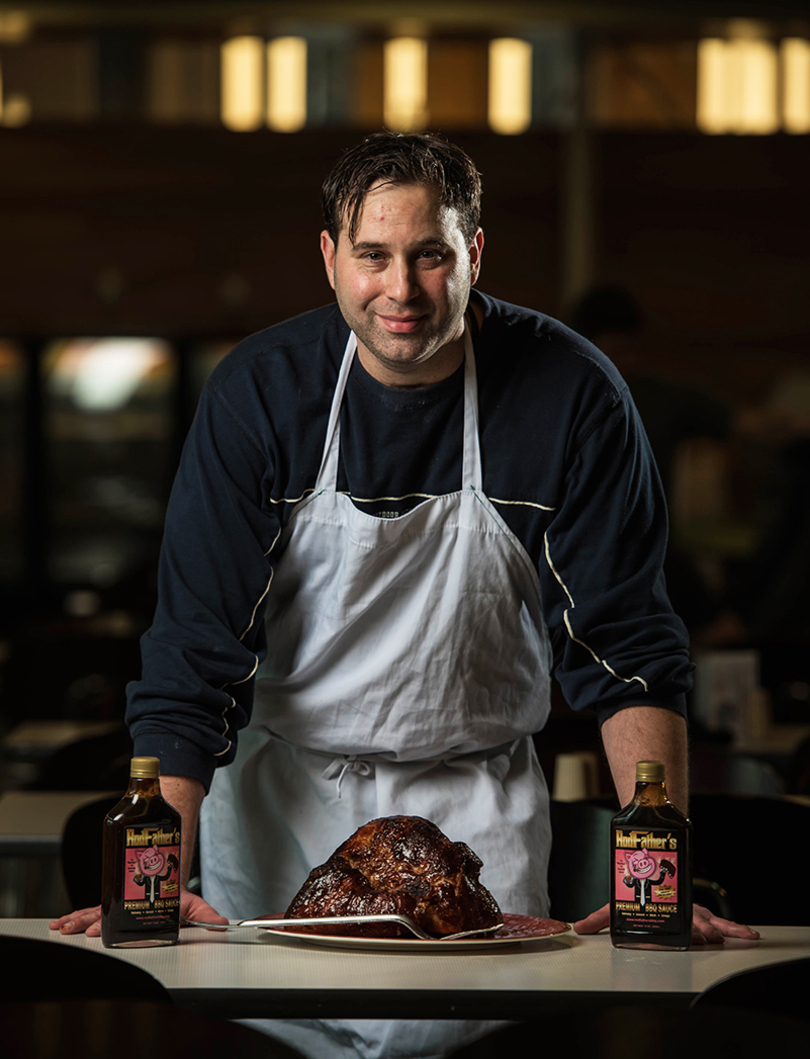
column 370, row 245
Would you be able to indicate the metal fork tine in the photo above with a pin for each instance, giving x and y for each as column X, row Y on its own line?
column 316, row 921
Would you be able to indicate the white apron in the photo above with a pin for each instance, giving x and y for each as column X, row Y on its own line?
column 407, row 667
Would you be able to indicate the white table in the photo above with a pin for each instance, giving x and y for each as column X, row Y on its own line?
column 231, row 976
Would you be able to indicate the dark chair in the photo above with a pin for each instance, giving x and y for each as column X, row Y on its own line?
column 81, row 852
column 798, row 769
column 752, row 847
column 776, row 989
column 59, row 970
column 578, row 874
column 717, row 771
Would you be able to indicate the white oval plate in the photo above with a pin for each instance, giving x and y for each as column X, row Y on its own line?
column 516, row 929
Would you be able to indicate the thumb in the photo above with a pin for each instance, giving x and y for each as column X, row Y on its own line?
column 595, row 922
column 193, row 907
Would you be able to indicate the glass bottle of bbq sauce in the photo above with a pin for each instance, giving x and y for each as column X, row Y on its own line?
column 140, row 881
column 651, row 868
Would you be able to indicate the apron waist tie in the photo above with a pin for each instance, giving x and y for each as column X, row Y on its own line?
column 339, row 766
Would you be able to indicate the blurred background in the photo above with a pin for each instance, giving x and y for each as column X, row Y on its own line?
column 646, row 172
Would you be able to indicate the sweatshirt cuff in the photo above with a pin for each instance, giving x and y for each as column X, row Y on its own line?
column 177, row 757
column 675, row 703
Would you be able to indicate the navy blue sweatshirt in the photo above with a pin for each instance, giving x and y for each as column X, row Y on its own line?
column 565, row 461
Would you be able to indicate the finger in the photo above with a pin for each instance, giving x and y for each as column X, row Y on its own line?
column 82, row 922
column 739, row 930
column 705, row 921
column 595, row 922
column 703, row 934
column 716, row 928
column 75, row 921
column 193, row 907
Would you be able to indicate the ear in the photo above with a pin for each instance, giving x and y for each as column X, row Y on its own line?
column 328, row 251
column 475, row 250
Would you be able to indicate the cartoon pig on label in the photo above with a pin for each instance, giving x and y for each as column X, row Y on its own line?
column 151, row 864
column 640, row 867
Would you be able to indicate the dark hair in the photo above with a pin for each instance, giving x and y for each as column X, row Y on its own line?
column 401, row 158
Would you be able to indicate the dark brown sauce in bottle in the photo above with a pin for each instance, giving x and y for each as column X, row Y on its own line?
column 140, row 882
column 651, row 869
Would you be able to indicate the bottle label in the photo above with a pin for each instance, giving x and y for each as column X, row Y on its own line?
column 151, row 875
column 647, row 882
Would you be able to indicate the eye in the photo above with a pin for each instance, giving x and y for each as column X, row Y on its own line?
column 430, row 258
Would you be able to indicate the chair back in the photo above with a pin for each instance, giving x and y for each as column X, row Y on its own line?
column 578, row 874
column 777, row 989
column 81, row 852
column 60, row 970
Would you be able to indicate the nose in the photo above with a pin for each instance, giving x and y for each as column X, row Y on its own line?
column 401, row 285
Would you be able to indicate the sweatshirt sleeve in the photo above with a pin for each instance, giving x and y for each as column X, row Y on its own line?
column 617, row 641
column 207, row 639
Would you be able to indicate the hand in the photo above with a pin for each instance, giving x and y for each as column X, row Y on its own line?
column 712, row 929
column 706, row 927
column 88, row 920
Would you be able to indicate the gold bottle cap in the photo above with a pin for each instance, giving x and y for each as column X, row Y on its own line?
column 650, row 772
column 145, row 768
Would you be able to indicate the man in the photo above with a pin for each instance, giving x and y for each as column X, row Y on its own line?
column 391, row 515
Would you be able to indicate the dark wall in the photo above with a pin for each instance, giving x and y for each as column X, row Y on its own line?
column 711, row 234
column 180, row 231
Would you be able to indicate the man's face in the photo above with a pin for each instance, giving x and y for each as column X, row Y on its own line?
column 403, row 283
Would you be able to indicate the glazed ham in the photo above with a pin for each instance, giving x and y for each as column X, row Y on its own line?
column 404, row 865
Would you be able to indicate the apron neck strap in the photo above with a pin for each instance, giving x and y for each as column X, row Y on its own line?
column 471, row 472
column 328, row 472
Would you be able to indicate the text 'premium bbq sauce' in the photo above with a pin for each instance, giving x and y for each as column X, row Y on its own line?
column 651, row 869
column 140, row 882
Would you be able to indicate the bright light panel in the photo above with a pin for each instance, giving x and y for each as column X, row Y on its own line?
column 242, row 99
column 759, row 60
column 796, row 84
column 737, row 86
column 510, row 85
column 711, row 108
column 287, row 84
column 405, row 83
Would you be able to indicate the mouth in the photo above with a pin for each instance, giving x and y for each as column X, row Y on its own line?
column 401, row 325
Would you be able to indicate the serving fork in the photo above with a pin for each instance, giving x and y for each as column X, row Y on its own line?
column 403, row 921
